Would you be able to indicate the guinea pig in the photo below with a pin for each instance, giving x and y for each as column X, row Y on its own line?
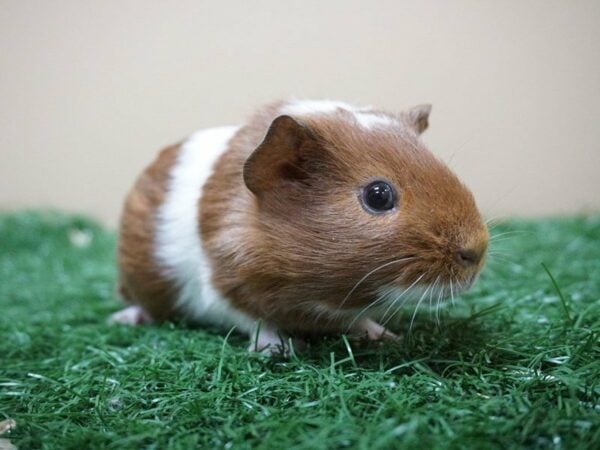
column 314, row 217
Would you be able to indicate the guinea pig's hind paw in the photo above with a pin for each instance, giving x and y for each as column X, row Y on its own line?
column 132, row 315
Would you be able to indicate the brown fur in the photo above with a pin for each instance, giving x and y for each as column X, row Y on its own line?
column 140, row 278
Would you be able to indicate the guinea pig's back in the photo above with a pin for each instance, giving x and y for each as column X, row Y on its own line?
column 163, row 266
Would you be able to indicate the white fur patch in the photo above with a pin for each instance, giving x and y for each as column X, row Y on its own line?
column 365, row 116
column 371, row 120
column 306, row 107
column 178, row 247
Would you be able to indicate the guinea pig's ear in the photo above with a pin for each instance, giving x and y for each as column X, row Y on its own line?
column 418, row 117
column 280, row 155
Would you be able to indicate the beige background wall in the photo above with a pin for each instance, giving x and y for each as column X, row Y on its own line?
column 90, row 90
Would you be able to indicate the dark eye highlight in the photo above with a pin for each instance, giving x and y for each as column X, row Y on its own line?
column 378, row 197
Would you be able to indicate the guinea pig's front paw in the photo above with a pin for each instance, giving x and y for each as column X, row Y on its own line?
column 374, row 331
column 131, row 315
column 270, row 341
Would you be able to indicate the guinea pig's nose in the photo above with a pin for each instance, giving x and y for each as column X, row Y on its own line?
column 468, row 257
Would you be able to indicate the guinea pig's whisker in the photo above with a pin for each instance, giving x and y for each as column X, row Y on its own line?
column 412, row 320
column 497, row 253
column 494, row 222
column 404, row 301
column 451, row 286
column 433, row 287
column 431, row 296
column 499, row 243
column 438, row 303
column 496, row 242
column 369, row 306
column 396, row 261
column 402, row 294
column 320, row 313
column 494, row 256
column 508, row 233
column 492, row 219
column 381, row 299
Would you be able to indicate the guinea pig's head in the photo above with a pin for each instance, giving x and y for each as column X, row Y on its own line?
column 353, row 207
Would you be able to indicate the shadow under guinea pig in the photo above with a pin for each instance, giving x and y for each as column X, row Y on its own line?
column 428, row 345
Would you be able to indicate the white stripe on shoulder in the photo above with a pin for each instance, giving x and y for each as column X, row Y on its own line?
column 365, row 116
column 178, row 246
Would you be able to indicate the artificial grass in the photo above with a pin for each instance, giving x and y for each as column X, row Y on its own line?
column 514, row 364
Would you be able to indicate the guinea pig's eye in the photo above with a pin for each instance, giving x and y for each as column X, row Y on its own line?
column 378, row 197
